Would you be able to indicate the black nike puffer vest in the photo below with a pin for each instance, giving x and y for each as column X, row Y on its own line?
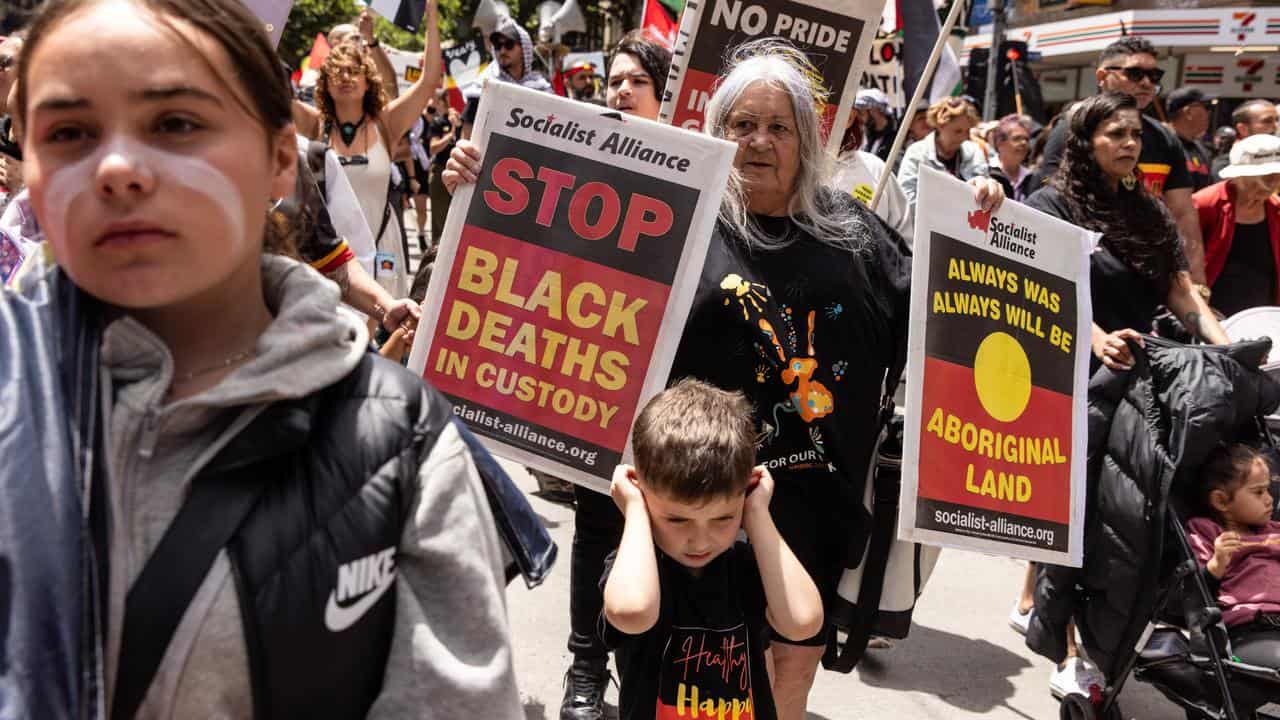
column 342, row 469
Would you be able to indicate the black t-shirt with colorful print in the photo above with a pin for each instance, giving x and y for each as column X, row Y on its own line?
column 806, row 332
column 705, row 655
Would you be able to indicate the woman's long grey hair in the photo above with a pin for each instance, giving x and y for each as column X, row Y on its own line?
column 782, row 66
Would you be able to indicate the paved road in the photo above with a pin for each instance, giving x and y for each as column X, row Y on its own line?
column 961, row 661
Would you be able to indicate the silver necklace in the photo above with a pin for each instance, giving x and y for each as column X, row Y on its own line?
column 220, row 365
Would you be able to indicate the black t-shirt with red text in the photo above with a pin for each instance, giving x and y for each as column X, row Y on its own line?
column 705, row 655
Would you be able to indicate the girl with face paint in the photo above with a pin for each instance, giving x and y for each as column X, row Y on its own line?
column 218, row 368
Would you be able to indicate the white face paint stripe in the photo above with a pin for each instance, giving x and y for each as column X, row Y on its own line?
column 80, row 177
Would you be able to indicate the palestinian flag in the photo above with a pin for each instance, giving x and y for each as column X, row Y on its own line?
column 658, row 24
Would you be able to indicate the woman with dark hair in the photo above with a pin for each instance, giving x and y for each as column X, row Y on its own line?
column 637, row 75
column 257, row 517
column 1139, row 263
column 1137, row 266
column 354, row 116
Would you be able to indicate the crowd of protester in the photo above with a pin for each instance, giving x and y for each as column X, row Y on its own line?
column 216, row 232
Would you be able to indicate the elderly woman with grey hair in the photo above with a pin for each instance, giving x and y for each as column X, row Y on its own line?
column 802, row 306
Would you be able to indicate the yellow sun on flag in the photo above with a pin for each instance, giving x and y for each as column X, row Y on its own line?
column 1002, row 376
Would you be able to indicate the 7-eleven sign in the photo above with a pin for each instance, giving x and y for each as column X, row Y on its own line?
column 1243, row 24
column 1252, row 73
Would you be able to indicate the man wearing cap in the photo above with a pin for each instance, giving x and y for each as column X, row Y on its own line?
column 1251, row 117
column 872, row 106
column 1188, row 111
column 513, row 57
column 1241, row 221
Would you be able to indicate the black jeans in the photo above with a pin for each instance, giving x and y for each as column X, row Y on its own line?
column 596, row 533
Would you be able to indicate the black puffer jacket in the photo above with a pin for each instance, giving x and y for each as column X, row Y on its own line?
column 1150, row 430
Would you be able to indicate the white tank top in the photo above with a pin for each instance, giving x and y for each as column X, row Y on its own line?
column 390, row 266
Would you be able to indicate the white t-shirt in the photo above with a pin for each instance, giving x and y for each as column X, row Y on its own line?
column 857, row 173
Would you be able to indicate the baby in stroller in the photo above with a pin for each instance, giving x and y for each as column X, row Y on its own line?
column 1238, row 544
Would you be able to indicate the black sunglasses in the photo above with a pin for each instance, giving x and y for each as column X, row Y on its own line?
column 1136, row 74
column 501, row 42
column 353, row 160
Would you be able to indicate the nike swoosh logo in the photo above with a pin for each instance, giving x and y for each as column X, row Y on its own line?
column 338, row 618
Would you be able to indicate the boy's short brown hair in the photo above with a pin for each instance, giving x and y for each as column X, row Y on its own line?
column 694, row 441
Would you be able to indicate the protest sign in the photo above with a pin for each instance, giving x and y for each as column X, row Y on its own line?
column 836, row 35
column 404, row 14
column 884, row 71
column 273, row 14
column 405, row 63
column 997, row 370
column 463, row 64
column 565, row 276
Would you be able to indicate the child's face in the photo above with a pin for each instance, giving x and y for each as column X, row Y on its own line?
column 149, row 180
column 694, row 535
column 1251, row 504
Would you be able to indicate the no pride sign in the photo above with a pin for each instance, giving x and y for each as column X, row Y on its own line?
column 836, row 35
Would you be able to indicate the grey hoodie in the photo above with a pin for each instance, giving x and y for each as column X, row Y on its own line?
column 451, row 655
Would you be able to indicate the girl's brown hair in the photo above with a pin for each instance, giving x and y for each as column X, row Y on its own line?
column 241, row 35
column 375, row 95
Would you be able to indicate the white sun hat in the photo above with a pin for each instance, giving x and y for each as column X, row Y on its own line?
column 1253, row 156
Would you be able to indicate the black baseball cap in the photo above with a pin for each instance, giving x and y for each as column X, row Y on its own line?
column 1183, row 97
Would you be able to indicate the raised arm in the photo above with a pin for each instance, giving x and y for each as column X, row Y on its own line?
column 404, row 110
column 307, row 119
column 385, row 69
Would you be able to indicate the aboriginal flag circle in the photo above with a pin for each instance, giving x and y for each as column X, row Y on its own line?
column 1002, row 376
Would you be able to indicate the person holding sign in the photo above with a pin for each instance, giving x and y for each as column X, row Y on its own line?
column 1139, row 264
column 277, row 522
column 802, row 306
column 638, row 70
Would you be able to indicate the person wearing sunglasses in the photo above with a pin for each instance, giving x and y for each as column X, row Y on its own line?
column 513, row 57
column 1129, row 66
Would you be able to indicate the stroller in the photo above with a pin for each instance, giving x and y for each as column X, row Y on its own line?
column 1176, row 640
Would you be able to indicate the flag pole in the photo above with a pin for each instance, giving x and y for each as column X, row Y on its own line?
column 925, row 80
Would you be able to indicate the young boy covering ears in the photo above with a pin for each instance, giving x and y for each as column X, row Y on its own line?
column 687, row 603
